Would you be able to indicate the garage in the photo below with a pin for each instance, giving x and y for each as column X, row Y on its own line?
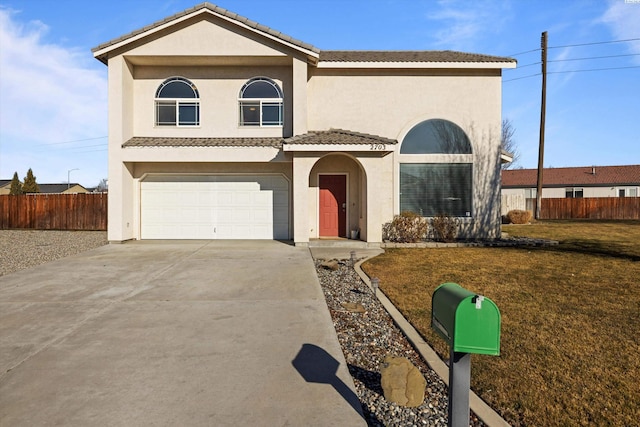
column 214, row 207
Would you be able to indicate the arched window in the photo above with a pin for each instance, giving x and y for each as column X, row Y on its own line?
column 260, row 103
column 436, row 136
column 177, row 103
column 435, row 188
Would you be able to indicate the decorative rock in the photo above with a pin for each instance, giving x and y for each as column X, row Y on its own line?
column 354, row 307
column 402, row 382
column 330, row 265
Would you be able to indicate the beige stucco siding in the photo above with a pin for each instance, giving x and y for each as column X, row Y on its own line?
column 204, row 37
column 388, row 105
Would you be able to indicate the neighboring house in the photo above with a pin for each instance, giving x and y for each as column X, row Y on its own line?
column 5, row 186
column 223, row 128
column 62, row 188
column 587, row 181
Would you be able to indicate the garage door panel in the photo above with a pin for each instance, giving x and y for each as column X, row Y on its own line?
column 208, row 207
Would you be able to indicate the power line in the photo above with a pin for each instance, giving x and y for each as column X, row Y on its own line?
column 574, row 45
column 593, row 57
column 594, row 43
column 593, row 69
column 69, row 142
column 522, row 53
column 520, row 78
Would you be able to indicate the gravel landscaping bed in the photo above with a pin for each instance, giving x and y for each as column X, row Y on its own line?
column 20, row 249
column 366, row 338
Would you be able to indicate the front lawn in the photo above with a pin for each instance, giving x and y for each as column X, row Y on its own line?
column 570, row 344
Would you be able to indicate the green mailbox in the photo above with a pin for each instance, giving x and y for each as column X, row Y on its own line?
column 470, row 323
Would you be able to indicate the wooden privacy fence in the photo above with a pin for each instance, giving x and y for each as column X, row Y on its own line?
column 588, row 208
column 86, row 211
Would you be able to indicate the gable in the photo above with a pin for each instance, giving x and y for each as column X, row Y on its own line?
column 204, row 31
column 204, row 37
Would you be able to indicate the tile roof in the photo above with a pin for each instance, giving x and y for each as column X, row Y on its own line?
column 4, row 182
column 274, row 142
column 574, row 176
column 407, row 56
column 332, row 136
column 220, row 11
column 338, row 136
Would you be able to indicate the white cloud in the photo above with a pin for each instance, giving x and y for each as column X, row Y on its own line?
column 623, row 19
column 463, row 23
column 48, row 94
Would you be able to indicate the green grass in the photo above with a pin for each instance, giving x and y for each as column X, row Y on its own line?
column 570, row 345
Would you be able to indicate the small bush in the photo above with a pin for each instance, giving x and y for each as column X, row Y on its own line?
column 408, row 227
column 518, row 216
column 445, row 228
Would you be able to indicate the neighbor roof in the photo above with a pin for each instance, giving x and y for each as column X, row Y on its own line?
column 574, row 176
column 56, row 188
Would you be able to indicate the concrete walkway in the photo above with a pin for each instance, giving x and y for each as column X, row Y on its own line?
column 222, row 333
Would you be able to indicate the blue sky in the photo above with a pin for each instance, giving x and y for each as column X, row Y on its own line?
column 53, row 93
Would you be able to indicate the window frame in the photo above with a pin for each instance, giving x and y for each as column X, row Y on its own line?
column 260, row 104
column 574, row 193
column 178, row 103
column 464, row 156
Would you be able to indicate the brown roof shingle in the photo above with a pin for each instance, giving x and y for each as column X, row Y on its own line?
column 573, row 176
column 338, row 136
column 138, row 141
column 407, row 56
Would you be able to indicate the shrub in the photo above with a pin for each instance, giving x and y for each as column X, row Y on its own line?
column 408, row 227
column 518, row 216
column 445, row 228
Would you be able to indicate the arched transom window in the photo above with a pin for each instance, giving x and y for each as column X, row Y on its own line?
column 260, row 103
column 436, row 187
column 177, row 103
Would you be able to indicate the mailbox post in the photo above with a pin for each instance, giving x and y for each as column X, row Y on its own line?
column 469, row 323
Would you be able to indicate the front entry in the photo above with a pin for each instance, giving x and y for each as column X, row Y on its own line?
column 333, row 205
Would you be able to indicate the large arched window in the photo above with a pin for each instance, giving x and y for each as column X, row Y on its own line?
column 177, row 103
column 260, row 103
column 436, row 136
column 434, row 188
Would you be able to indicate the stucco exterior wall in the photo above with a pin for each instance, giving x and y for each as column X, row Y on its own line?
column 389, row 104
column 219, row 88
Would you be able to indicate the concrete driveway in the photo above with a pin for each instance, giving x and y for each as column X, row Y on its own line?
column 172, row 333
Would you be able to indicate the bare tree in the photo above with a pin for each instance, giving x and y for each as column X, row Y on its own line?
column 508, row 143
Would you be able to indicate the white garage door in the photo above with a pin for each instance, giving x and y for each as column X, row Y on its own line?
column 215, row 207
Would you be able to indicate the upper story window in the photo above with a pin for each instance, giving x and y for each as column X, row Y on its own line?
column 260, row 103
column 177, row 103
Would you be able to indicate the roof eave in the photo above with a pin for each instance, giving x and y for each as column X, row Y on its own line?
column 415, row 65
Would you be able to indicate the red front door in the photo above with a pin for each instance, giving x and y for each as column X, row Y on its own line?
column 333, row 205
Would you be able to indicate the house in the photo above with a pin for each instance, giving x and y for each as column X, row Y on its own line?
column 586, row 181
column 224, row 128
column 64, row 188
column 5, row 186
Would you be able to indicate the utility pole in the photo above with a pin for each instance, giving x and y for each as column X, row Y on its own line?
column 543, row 108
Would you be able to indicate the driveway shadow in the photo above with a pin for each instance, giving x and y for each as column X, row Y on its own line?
column 315, row 365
